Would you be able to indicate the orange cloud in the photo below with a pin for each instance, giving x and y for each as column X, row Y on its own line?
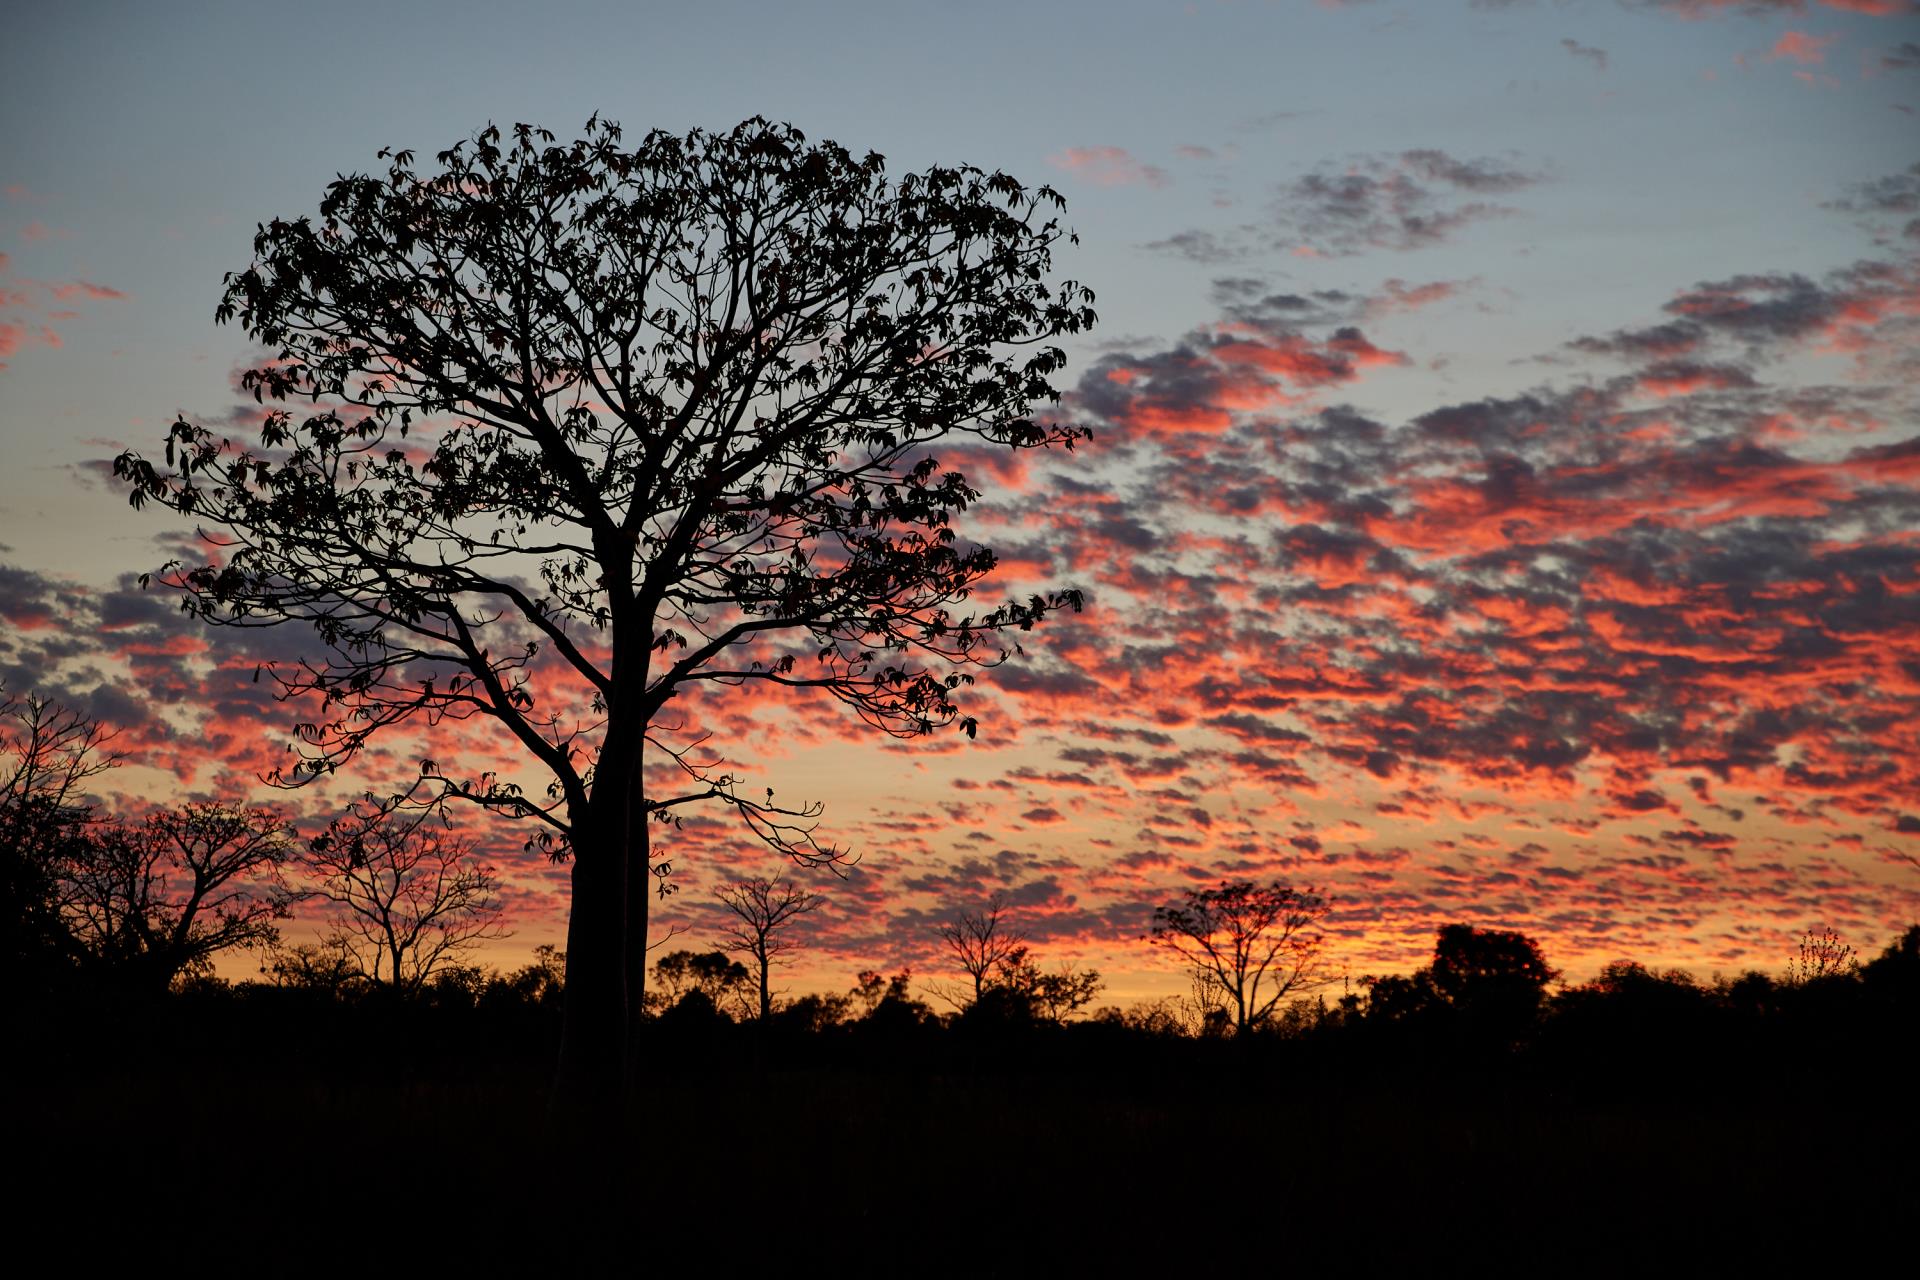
column 1801, row 47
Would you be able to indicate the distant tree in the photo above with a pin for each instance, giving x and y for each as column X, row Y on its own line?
column 411, row 897
column 327, row 965
column 871, row 989
column 1042, row 995
column 1626, row 1009
column 1629, row 977
column 543, row 982
column 763, row 913
column 1495, row 977
column 562, row 432
column 457, row 986
column 1166, row 1017
column 813, row 1013
column 721, row 982
column 984, row 944
column 1253, row 944
column 48, row 754
column 1402, row 997
column 1752, row 993
column 885, row 1003
column 1822, row 955
column 1896, row 969
column 163, row 898
column 1471, row 963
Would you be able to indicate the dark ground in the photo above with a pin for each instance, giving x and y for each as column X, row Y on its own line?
column 280, row 1134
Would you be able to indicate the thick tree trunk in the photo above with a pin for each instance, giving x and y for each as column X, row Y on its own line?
column 593, row 1038
column 606, row 946
column 640, row 883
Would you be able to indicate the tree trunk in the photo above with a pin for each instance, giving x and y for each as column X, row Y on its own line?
column 640, row 883
column 593, row 1036
column 766, row 998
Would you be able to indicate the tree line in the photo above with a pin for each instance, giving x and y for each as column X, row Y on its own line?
column 147, row 906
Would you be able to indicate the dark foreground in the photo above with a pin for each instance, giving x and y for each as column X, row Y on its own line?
column 278, row 1133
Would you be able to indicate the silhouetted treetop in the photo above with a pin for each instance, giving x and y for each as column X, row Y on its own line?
column 1468, row 961
column 690, row 383
column 1247, row 945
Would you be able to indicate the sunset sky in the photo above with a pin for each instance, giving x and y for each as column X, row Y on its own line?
column 1504, row 503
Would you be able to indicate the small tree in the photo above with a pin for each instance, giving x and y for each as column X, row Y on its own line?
column 1252, row 944
column 163, row 898
column 764, row 911
column 560, row 433
column 412, row 898
column 1822, row 955
column 984, row 944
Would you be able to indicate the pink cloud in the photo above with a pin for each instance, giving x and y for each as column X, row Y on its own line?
column 1801, row 47
column 1398, row 295
column 1108, row 167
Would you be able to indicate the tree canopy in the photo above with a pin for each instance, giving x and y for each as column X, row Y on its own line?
column 557, row 432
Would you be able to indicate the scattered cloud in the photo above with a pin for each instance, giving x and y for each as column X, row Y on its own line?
column 1108, row 167
column 1799, row 46
column 27, row 313
column 1399, row 201
column 1410, row 200
column 1896, row 195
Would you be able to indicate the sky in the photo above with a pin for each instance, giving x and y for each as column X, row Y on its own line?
column 1504, row 502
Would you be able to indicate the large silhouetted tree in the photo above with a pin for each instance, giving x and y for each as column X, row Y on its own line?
column 1253, row 945
column 763, row 914
column 412, row 898
column 560, row 432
